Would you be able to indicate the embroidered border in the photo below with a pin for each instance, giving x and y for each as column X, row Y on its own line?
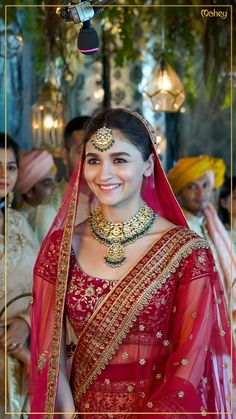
column 62, row 275
column 98, row 343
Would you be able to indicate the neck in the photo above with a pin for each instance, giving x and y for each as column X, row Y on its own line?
column 195, row 214
column 120, row 214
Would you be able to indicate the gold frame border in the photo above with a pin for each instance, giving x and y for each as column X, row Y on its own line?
column 205, row 6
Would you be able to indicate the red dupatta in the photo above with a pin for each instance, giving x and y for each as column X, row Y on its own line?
column 49, row 289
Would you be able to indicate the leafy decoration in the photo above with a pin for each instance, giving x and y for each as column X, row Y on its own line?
column 190, row 39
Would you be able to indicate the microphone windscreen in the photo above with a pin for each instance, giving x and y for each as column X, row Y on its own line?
column 88, row 42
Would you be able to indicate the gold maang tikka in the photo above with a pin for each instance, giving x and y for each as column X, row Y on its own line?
column 103, row 139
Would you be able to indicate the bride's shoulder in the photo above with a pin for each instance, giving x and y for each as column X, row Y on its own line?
column 162, row 224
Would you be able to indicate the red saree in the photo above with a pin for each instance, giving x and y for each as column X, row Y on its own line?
column 157, row 340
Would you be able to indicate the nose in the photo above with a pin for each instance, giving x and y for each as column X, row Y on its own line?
column 200, row 192
column 105, row 172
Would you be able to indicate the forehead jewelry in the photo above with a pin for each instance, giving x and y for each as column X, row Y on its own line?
column 103, row 139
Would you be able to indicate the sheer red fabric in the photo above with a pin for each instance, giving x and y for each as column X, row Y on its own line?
column 157, row 340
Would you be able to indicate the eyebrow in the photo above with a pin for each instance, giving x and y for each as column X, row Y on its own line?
column 121, row 153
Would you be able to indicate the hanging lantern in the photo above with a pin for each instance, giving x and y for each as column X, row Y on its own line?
column 165, row 88
column 48, row 120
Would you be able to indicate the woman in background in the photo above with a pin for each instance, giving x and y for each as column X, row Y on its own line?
column 15, row 280
column 140, row 290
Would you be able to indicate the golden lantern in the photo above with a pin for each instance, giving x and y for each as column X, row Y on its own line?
column 165, row 88
column 48, row 120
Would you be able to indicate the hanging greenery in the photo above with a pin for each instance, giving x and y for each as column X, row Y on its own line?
column 194, row 45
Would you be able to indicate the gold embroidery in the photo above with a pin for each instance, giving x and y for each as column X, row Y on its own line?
column 150, row 405
column 124, row 355
column 42, row 360
column 184, row 362
column 120, row 310
column 62, row 275
column 181, row 394
column 159, row 335
column 142, row 361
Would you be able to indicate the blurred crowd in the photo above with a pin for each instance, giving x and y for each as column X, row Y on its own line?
column 34, row 194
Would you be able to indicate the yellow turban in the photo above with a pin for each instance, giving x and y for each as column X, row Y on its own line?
column 189, row 169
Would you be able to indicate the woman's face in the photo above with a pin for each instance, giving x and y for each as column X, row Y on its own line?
column 115, row 176
column 10, row 167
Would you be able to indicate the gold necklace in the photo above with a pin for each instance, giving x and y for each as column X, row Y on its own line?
column 117, row 235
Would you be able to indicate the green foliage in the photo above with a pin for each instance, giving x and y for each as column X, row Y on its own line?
column 133, row 31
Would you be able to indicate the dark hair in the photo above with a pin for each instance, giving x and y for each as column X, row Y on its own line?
column 10, row 143
column 75, row 124
column 125, row 122
column 225, row 191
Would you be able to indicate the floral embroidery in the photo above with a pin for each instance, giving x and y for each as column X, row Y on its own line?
column 218, row 300
column 150, row 405
column 225, row 365
column 222, row 332
column 158, row 376
column 184, row 361
column 107, row 381
column 142, row 361
column 204, row 380
column 181, row 394
column 166, row 343
column 130, row 389
column 159, row 335
column 124, row 355
column 163, row 300
column 194, row 314
column 141, row 327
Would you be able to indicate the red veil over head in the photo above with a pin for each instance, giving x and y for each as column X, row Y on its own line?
column 51, row 274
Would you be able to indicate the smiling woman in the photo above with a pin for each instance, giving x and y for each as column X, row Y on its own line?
column 139, row 290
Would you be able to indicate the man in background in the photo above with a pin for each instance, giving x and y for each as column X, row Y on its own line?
column 71, row 152
column 193, row 180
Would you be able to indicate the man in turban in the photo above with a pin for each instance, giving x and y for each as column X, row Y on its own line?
column 71, row 151
column 193, row 180
column 36, row 181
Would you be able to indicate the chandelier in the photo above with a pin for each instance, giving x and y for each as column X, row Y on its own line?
column 165, row 89
column 48, row 119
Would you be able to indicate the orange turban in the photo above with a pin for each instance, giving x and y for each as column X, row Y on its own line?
column 34, row 165
column 189, row 169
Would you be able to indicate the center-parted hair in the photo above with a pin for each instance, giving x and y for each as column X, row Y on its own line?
column 127, row 123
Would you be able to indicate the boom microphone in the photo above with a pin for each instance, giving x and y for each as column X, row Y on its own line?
column 88, row 41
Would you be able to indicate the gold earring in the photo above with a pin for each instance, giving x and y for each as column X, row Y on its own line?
column 10, row 198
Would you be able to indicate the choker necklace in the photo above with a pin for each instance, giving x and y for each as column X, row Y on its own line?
column 117, row 235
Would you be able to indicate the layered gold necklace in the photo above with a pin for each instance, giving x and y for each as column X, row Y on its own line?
column 117, row 235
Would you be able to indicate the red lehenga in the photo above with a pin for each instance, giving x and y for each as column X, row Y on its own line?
column 157, row 340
